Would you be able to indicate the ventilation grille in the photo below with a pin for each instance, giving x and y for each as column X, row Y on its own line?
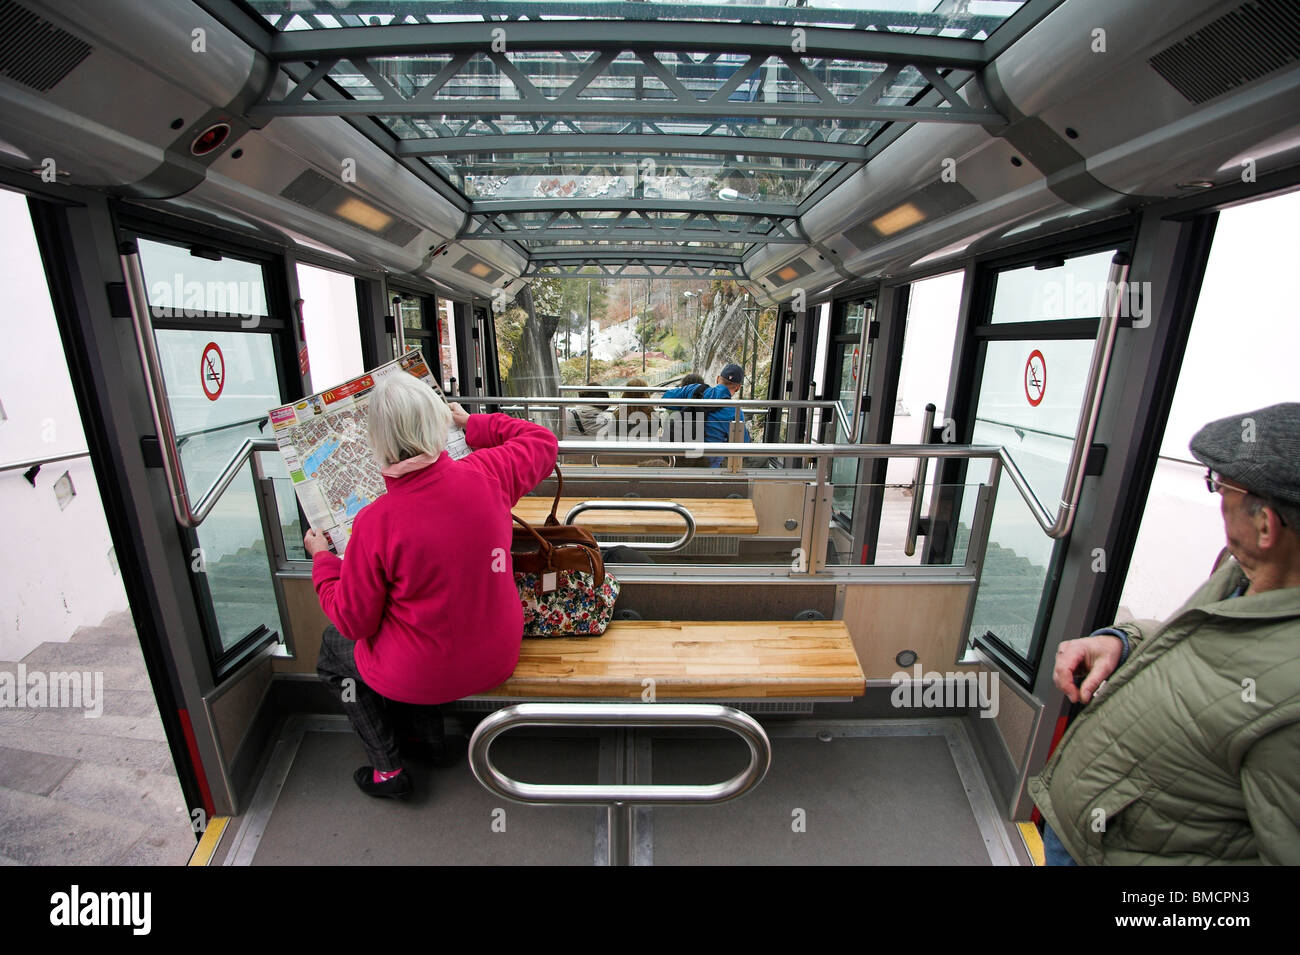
column 322, row 194
column 1256, row 39
column 702, row 545
column 33, row 51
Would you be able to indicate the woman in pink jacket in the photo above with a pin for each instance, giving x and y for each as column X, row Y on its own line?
column 424, row 604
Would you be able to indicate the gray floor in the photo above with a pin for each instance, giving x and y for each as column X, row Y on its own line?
column 91, row 791
column 321, row 818
column 847, row 793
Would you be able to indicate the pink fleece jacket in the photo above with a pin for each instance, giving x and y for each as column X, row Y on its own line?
column 426, row 588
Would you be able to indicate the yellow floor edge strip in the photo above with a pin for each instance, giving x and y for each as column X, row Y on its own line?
column 203, row 852
column 1033, row 842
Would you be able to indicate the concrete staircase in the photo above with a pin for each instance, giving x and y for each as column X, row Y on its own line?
column 99, row 790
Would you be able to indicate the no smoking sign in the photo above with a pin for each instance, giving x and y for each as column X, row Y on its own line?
column 212, row 371
column 1035, row 378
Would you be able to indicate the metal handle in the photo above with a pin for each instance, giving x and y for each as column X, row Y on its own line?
column 624, row 715
column 918, row 484
column 156, row 389
column 626, row 505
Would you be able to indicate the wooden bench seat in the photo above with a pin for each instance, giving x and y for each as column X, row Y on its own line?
column 783, row 659
column 717, row 516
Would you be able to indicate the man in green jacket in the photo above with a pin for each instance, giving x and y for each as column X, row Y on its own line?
column 1188, row 751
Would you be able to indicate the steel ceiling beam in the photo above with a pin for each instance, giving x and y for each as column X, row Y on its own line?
column 748, row 13
column 739, row 207
column 620, row 144
column 659, row 36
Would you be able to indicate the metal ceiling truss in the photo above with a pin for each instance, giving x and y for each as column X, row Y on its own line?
column 632, row 225
column 659, row 266
column 625, row 143
column 689, row 44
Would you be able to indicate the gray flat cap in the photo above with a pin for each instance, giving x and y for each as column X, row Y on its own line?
column 1260, row 450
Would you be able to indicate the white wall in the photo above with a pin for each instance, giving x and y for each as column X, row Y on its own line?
column 56, row 574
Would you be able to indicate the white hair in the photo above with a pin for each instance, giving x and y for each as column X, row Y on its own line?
column 406, row 418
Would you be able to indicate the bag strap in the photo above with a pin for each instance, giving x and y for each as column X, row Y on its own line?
column 544, row 546
column 551, row 519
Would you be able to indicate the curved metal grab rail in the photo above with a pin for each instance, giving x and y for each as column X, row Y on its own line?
column 631, row 505
column 625, row 715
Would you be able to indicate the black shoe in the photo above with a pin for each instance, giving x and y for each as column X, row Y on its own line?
column 399, row 787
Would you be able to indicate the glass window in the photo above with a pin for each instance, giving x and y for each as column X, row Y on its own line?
column 220, row 386
column 1076, row 289
column 331, row 325
column 1240, row 357
column 185, row 286
column 926, row 368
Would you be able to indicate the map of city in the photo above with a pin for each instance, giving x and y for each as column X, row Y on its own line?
column 326, row 449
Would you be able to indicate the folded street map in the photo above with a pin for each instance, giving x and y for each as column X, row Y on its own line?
column 327, row 450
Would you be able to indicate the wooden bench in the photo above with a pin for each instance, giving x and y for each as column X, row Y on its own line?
column 745, row 660
column 717, row 516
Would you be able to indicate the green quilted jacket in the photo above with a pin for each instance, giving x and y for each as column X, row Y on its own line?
column 1190, row 753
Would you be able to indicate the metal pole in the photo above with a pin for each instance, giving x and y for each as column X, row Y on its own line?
column 587, row 377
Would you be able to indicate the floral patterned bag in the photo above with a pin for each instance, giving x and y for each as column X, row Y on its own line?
column 561, row 577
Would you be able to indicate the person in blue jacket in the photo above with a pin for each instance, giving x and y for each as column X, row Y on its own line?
column 719, row 419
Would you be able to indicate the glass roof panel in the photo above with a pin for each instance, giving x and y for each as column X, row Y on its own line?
column 975, row 19
column 632, row 175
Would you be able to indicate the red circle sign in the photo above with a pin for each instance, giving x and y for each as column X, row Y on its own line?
column 212, row 371
column 1035, row 378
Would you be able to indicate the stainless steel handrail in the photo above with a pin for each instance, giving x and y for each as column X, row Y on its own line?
column 918, row 485
column 619, row 798
column 35, row 462
column 1117, row 288
column 633, row 505
column 260, row 419
column 186, row 515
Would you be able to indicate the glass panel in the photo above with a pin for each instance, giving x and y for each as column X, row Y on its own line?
column 286, row 501
column 412, row 312
column 1074, row 290
column 181, row 285
column 928, row 340
column 240, row 368
column 974, row 20
column 1244, row 333
column 447, row 338
column 331, row 325
column 1029, row 403
column 896, row 511
column 235, row 564
column 853, row 366
column 588, row 176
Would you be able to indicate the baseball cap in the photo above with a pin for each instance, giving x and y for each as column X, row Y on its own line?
column 734, row 374
column 1260, row 450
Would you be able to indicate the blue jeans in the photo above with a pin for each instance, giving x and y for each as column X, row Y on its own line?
column 1054, row 852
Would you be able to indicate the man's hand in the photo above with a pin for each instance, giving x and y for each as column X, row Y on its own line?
column 314, row 542
column 459, row 416
column 1096, row 656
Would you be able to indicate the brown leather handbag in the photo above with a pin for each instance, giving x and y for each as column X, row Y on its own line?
column 563, row 586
